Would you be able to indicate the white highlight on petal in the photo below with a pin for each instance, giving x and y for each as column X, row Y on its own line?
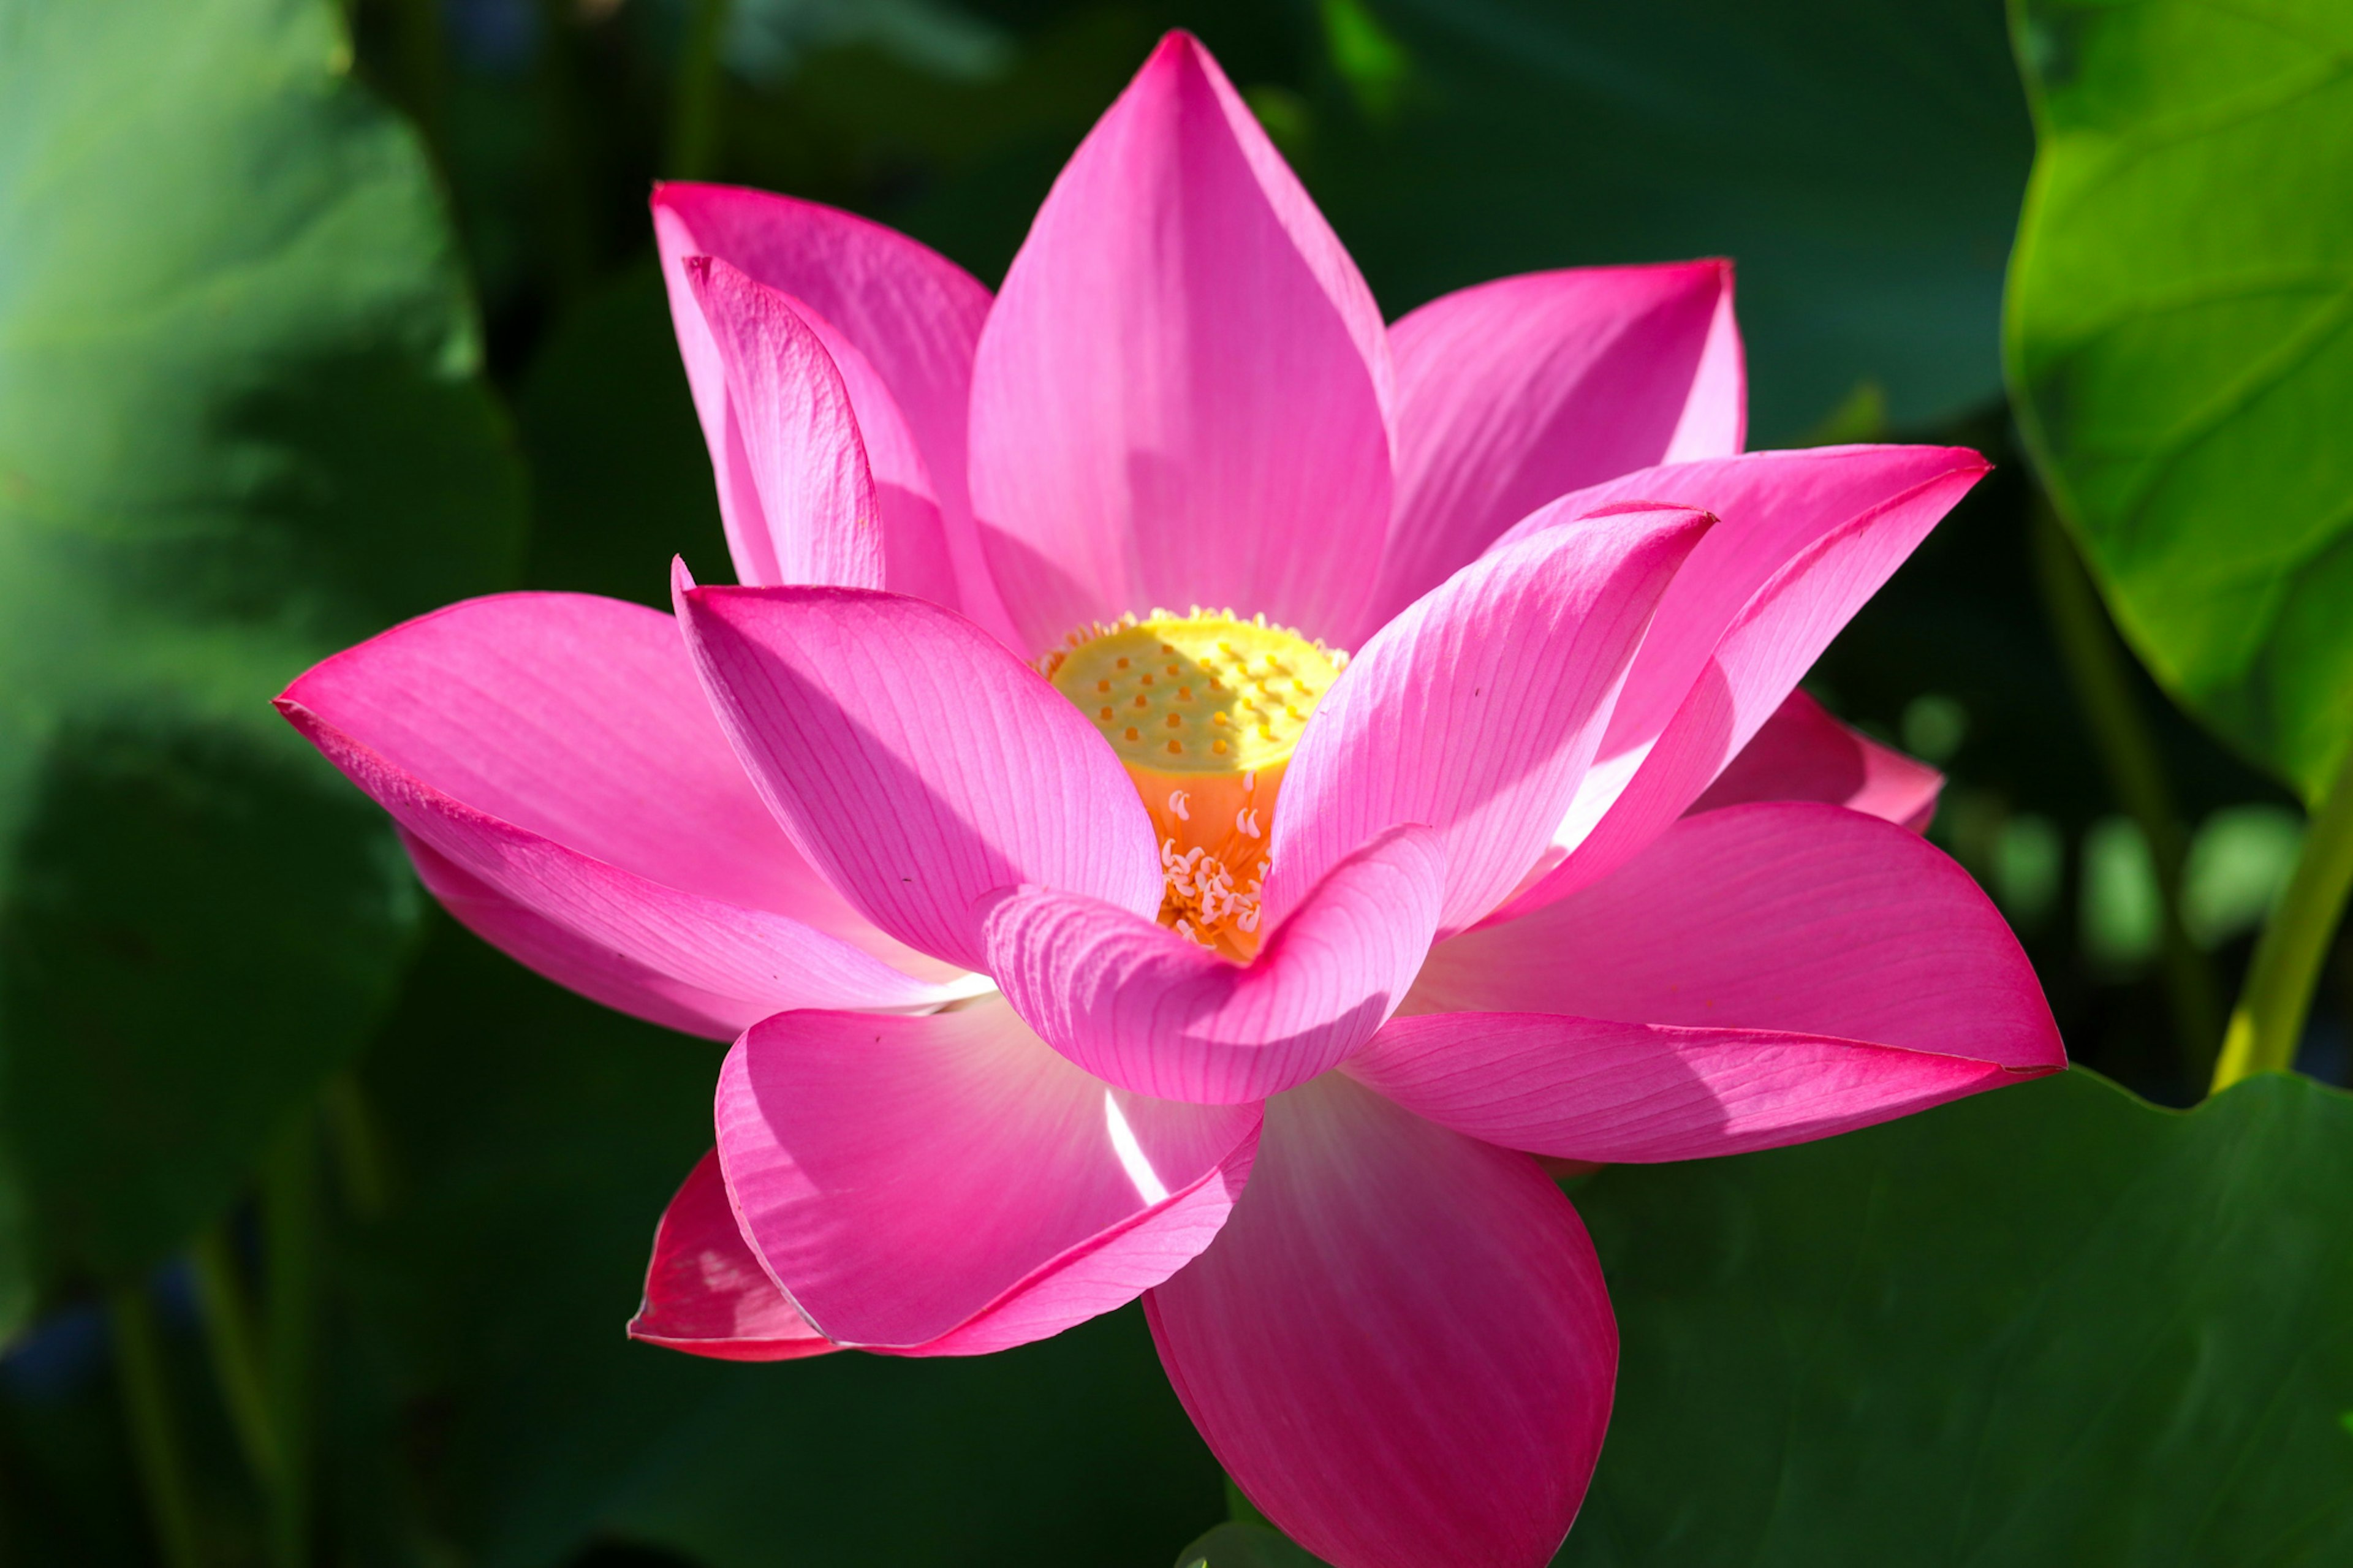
column 965, row 988
column 1123, row 1143
column 1603, row 783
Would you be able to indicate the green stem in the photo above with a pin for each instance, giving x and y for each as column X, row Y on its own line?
column 359, row 1148
column 2269, row 1020
column 2100, row 673
column 155, row 1435
column 694, row 122
column 231, row 1336
column 289, row 1201
column 289, row 1240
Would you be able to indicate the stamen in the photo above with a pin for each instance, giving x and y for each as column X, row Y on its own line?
column 1254, row 686
column 1252, row 689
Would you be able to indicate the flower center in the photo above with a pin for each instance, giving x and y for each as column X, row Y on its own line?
column 1204, row 710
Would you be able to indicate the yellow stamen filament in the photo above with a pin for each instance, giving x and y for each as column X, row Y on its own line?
column 1244, row 688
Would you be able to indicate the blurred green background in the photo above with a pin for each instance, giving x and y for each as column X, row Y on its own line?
column 315, row 317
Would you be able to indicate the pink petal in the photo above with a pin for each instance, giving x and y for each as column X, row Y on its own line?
column 1136, row 1003
column 1594, row 1089
column 915, row 761
column 1515, row 391
column 899, row 320
column 1179, row 397
column 1715, row 419
column 1477, row 710
column 1788, row 916
column 570, row 717
column 706, row 1293
column 791, row 421
column 1806, row 537
column 711, row 1004
column 1803, row 753
column 947, row 1185
column 918, row 555
column 1400, row 1346
column 554, row 754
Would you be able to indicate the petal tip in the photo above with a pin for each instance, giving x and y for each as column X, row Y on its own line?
column 1179, row 66
column 1175, row 43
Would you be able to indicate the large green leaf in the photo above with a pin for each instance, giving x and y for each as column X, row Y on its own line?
column 2054, row 1327
column 536, row 1137
column 2180, row 345
column 2050, row 1326
column 239, row 429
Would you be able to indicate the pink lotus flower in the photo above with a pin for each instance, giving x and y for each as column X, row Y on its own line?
column 1081, row 943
